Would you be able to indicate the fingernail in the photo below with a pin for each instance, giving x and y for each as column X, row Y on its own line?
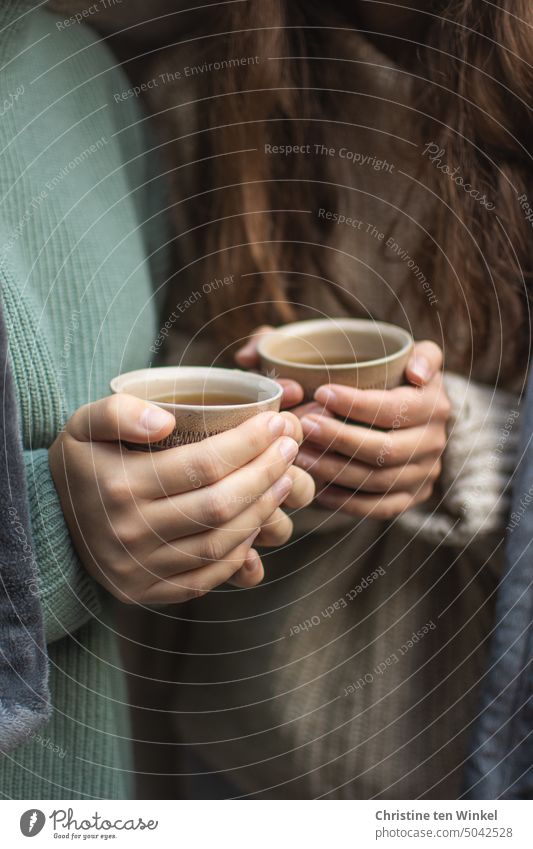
column 289, row 427
column 153, row 419
column 252, row 561
column 324, row 395
column 288, row 449
column 276, row 425
column 282, row 487
column 310, row 426
column 420, row 367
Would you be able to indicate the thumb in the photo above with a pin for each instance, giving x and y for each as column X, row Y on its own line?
column 122, row 417
column 424, row 363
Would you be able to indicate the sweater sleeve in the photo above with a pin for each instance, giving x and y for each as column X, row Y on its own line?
column 473, row 496
column 69, row 595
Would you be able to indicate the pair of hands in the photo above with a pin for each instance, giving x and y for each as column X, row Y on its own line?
column 379, row 471
column 165, row 527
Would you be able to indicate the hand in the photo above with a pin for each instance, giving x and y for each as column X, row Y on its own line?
column 383, row 470
column 167, row 526
column 247, row 357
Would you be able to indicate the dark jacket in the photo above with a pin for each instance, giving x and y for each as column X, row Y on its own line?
column 501, row 760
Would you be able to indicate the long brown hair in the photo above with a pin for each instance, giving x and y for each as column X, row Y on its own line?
column 474, row 102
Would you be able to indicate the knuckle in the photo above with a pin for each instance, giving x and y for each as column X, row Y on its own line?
column 213, row 549
column 128, row 533
column 217, row 507
column 207, row 467
column 115, row 488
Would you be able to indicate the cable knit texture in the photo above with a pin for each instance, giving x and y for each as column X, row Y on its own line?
column 78, row 300
column 478, row 464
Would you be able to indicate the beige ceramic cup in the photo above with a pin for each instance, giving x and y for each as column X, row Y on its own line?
column 197, row 421
column 350, row 351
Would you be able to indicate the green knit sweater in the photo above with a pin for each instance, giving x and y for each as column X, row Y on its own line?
column 79, row 304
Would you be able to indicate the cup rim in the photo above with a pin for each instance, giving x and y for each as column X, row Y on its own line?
column 341, row 323
column 195, row 371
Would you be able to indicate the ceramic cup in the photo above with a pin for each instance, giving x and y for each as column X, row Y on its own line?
column 351, row 351
column 197, row 421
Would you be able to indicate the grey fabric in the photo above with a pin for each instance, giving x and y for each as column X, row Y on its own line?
column 24, row 695
column 501, row 761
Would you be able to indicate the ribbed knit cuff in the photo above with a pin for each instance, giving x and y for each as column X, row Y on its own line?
column 68, row 594
column 478, row 464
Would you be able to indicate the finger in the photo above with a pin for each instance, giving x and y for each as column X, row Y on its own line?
column 406, row 406
column 303, row 489
column 276, row 530
column 215, row 505
column 370, row 506
column 250, row 574
column 333, row 468
column 197, row 551
column 190, row 467
column 311, row 408
column 246, row 356
column 424, row 363
column 120, row 416
column 374, row 447
column 293, row 427
column 292, row 393
column 194, row 584
column 200, row 549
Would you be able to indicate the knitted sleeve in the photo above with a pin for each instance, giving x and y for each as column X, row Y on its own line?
column 478, row 464
column 68, row 594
